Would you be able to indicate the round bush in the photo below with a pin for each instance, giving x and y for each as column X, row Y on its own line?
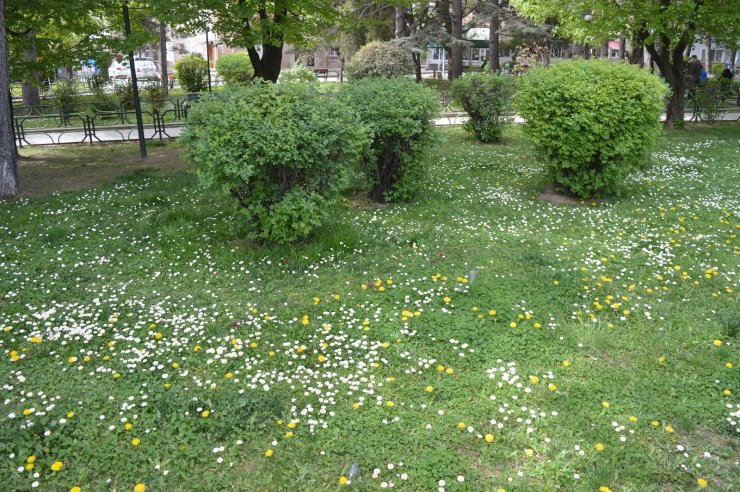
column 378, row 59
column 298, row 73
column 487, row 100
column 594, row 122
column 192, row 72
column 284, row 151
column 398, row 113
column 235, row 68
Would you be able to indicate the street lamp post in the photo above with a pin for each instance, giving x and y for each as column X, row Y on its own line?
column 137, row 101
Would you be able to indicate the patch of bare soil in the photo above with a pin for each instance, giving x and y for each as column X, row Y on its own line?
column 551, row 196
column 361, row 202
column 75, row 168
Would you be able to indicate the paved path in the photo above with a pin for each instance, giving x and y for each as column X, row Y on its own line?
column 119, row 134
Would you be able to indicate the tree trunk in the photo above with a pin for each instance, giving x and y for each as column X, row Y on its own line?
column 30, row 86
column 8, row 163
column 670, row 63
column 494, row 44
column 163, row 57
column 622, row 48
column 267, row 67
column 400, row 20
column 456, row 65
column 417, row 66
column 443, row 9
column 708, row 59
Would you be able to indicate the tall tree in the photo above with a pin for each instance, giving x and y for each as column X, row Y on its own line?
column 8, row 163
column 665, row 27
column 263, row 27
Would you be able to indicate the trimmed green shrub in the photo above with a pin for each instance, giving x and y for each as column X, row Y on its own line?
column 64, row 96
column 235, row 68
column 104, row 101
column 709, row 97
column 379, row 59
column 298, row 73
column 487, row 100
column 192, row 72
column 284, row 151
column 125, row 95
column 156, row 97
column 593, row 120
column 398, row 113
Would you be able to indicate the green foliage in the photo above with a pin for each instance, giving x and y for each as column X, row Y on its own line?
column 298, row 73
column 487, row 100
column 155, row 96
column 235, row 68
column 125, row 95
column 398, row 113
column 379, row 59
column 192, row 71
column 104, row 101
column 593, row 121
column 709, row 97
column 64, row 96
column 283, row 150
column 717, row 69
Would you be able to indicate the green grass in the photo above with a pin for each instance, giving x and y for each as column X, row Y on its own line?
column 148, row 272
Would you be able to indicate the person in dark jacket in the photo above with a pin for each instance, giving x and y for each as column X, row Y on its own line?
column 727, row 73
column 694, row 70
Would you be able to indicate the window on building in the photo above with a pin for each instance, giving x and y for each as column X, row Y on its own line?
column 334, row 52
column 716, row 55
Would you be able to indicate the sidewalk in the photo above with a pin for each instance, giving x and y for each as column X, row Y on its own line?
column 129, row 133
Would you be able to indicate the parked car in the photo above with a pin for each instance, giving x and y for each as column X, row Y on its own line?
column 119, row 70
column 146, row 69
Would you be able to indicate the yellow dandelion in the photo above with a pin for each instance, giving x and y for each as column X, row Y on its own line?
column 429, row 389
column 205, row 414
column 135, row 441
column 599, row 447
column 343, row 480
column 489, row 438
column 56, row 466
column 268, row 453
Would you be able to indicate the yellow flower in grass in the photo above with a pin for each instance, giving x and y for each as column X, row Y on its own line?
column 75, row 489
column 633, row 419
column 529, row 452
column 139, row 487
column 322, row 358
column 56, row 466
column 534, row 379
column 128, row 426
column 429, row 389
column 135, row 441
column 566, row 363
column 605, row 489
column 489, row 438
column 291, row 425
column 461, row 425
column 717, row 343
column 390, row 403
column 552, row 387
column 655, row 423
column 205, row 414
column 702, row 483
column 605, row 404
column 449, row 370
column 268, row 453
column 343, row 480
column 599, row 447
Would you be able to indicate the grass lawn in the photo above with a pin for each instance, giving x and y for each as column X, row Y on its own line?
column 477, row 339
